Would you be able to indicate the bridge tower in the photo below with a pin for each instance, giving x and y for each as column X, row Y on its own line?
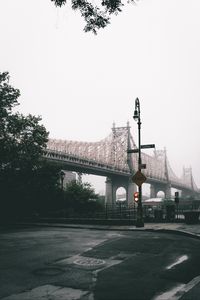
column 114, row 182
column 188, row 178
column 165, row 186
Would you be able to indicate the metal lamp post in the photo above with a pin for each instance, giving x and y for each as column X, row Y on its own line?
column 136, row 117
column 62, row 176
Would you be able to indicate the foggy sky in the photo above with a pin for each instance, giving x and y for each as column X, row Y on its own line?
column 80, row 83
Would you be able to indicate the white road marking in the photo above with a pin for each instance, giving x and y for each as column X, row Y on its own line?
column 178, row 261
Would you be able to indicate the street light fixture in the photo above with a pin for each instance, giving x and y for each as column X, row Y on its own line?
column 136, row 117
column 62, row 176
column 137, row 110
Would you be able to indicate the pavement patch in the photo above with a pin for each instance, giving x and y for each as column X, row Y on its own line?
column 114, row 235
column 88, row 263
column 49, row 292
column 49, row 271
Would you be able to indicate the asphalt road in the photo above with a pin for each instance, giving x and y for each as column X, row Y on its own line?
column 108, row 265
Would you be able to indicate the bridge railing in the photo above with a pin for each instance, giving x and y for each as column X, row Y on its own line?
column 54, row 154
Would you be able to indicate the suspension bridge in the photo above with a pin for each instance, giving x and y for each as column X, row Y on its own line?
column 108, row 157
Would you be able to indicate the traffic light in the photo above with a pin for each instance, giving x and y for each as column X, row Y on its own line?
column 176, row 198
column 136, row 196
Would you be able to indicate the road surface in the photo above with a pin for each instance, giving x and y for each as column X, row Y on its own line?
column 41, row 262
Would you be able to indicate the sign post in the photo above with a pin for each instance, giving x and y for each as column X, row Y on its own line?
column 139, row 178
column 176, row 199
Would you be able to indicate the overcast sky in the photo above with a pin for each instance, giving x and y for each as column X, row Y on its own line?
column 80, row 83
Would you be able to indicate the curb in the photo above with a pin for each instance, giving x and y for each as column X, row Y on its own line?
column 182, row 292
column 175, row 231
column 111, row 228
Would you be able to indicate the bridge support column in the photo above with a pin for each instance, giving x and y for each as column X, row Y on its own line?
column 110, row 199
column 131, row 189
column 168, row 193
column 153, row 191
column 155, row 188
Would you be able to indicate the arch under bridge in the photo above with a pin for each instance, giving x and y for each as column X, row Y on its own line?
column 108, row 157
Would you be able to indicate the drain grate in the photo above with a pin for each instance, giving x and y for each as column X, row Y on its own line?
column 89, row 262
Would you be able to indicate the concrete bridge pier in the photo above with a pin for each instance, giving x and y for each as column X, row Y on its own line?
column 109, row 192
column 153, row 191
column 165, row 188
column 131, row 189
column 167, row 192
column 115, row 182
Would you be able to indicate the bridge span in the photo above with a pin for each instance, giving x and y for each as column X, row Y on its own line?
column 109, row 158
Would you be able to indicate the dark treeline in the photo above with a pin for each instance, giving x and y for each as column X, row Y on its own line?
column 28, row 184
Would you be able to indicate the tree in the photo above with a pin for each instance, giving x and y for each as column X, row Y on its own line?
column 22, row 138
column 80, row 198
column 96, row 17
column 45, row 193
column 22, row 143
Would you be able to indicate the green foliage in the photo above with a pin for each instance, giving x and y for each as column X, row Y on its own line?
column 59, row 2
column 8, row 96
column 28, row 183
column 96, row 17
column 80, row 198
column 24, row 177
column 22, row 139
column 44, row 188
column 26, row 191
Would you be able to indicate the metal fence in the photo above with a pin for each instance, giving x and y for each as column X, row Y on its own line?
column 120, row 211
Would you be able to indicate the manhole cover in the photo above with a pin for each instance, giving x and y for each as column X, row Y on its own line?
column 51, row 271
column 89, row 262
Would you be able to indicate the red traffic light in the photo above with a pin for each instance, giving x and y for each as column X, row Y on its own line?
column 136, row 196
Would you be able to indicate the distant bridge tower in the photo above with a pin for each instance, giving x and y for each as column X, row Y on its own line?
column 187, row 177
column 161, row 186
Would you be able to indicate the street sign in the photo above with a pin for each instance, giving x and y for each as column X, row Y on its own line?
column 142, row 147
column 139, row 178
column 132, row 151
column 147, row 146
